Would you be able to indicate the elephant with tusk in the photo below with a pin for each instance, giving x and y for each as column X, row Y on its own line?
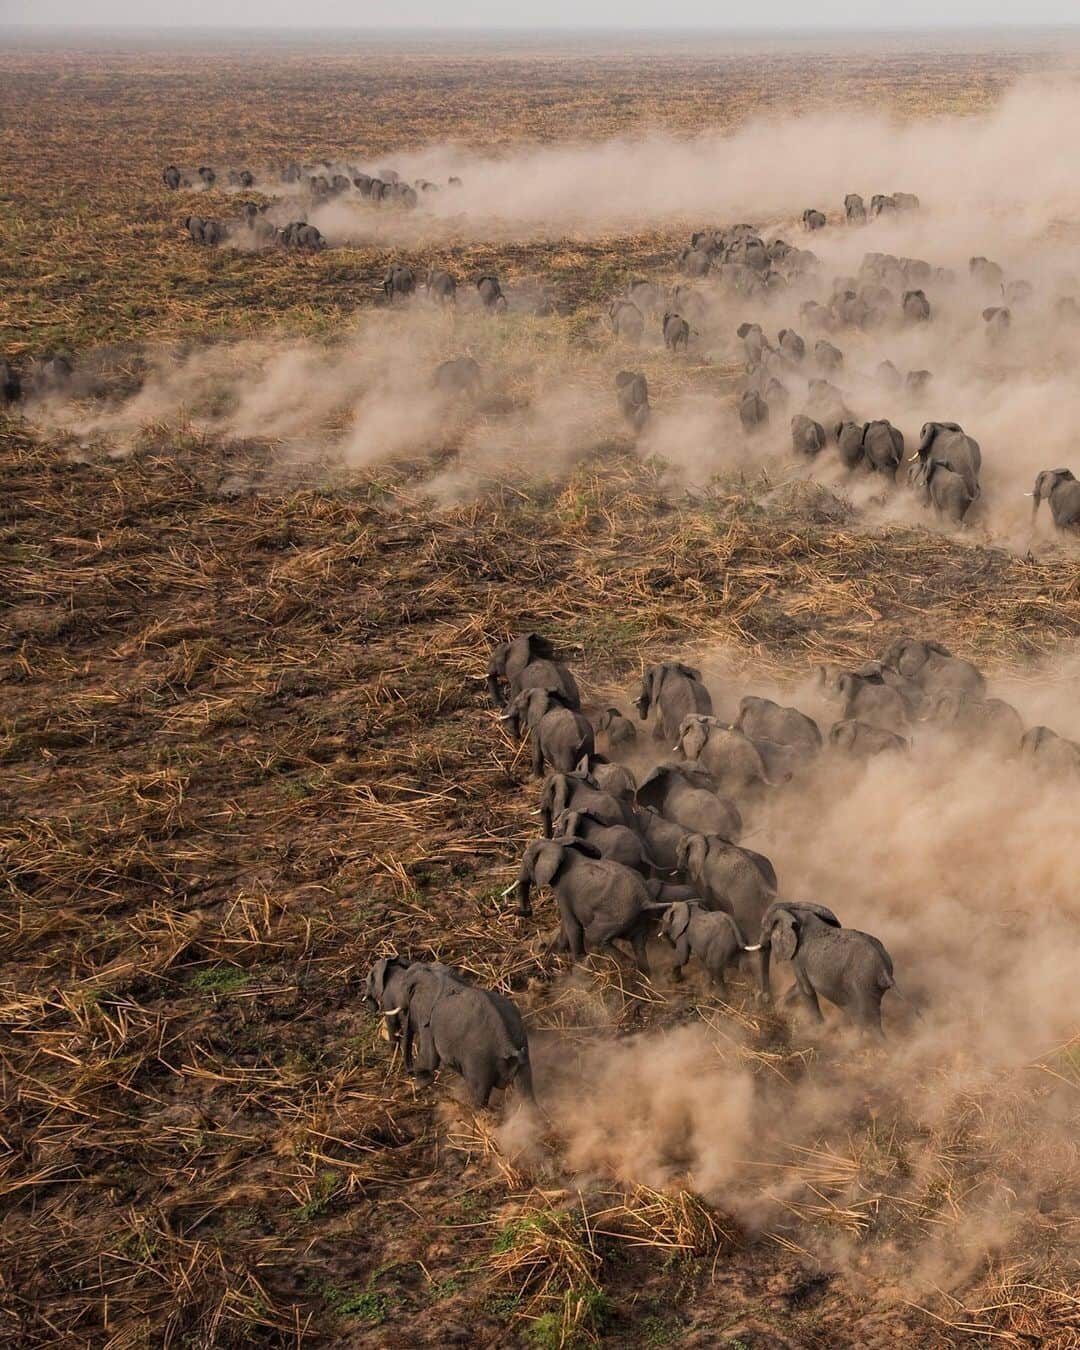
column 1061, row 490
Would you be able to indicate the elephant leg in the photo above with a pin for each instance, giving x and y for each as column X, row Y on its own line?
column 480, row 1082
column 427, row 1060
column 573, row 933
column 716, row 978
column 808, row 993
column 641, row 954
column 558, row 942
column 867, row 1014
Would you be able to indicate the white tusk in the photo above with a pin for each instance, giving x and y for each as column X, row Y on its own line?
column 913, row 458
column 753, row 949
column 511, row 887
column 1029, row 494
column 391, row 1012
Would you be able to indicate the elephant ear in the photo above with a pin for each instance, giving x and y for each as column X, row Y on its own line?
column 784, row 935
column 680, row 920
column 377, row 978
column 743, row 329
column 689, row 671
column 697, row 849
column 583, row 847
column 548, row 862
column 537, row 646
column 654, row 788
column 498, row 659
column 824, row 914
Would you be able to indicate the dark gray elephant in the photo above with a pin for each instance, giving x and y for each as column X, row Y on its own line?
column 763, row 720
column 686, row 795
column 632, row 393
column 661, row 838
column 882, row 204
column 579, row 791
column 694, row 262
column 490, row 293
column 400, row 283
column 615, row 733
column 753, row 411
column 339, row 184
column 849, row 309
column 998, row 321
column 946, row 445
column 987, row 722
column 528, row 662
column 675, row 691
column 459, row 375
column 376, row 190
column 362, row 183
column 986, row 274
column 933, row 667
column 849, row 442
column 854, row 209
column 883, row 447
column 476, row 1033
column 1060, row 488
column 916, row 307
column 738, row 764
column 614, row 778
column 171, row 177
column 727, row 877
column 207, row 174
column 754, row 342
column 813, row 219
column 807, row 436
column 627, row 321
column 194, row 226
column 711, row 937
column 676, row 332
column 862, row 741
column 945, row 491
column 827, row 357
column 619, row 843
column 10, row 384
column 866, row 698
column 558, row 735
column 1047, row 750
column 791, row 345
column 48, row 374
column 849, row 968
column 214, row 232
column 441, row 286
column 600, row 901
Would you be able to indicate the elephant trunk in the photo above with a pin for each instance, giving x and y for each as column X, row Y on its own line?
column 545, row 821
column 521, row 894
column 495, row 690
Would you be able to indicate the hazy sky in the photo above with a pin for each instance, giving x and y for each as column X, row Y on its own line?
column 308, row 14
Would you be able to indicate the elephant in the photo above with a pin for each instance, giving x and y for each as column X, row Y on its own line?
column 362, row 183
column 753, row 410
column 319, row 185
column 579, row 791
column 906, row 201
column 849, row 968
column 399, row 284
column 675, row 691
column 883, row 447
column 619, row 843
column 676, row 332
column 807, row 436
column 825, row 403
column 214, row 232
column 945, row 444
column 827, row 357
column 945, row 491
column 916, row 307
column 849, row 442
column 441, row 286
column 245, row 178
column 207, row 174
column 791, row 345
column 291, row 173
column 401, row 194
column 1060, row 488
column 339, row 184
column 754, row 342
column 454, row 181
column 854, row 209
column 48, row 373
column 661, row 838
column 882, row 205
column 194, row 226
column 686, row 795
column 986, row 273
column 599, row 900
column 477, row 1033
column 813, row 314
column 646, row 295
column 916, row 382
column 727, row 877
column 738, row 764
column 985, row 721
column 376, row 190
column 615, row 732
column 916, row 270
column 763, row 720
column 689, row 303
column 632, row 393
column 389, row 175
column 1047, row 750
column 860, row 740
column 1017, row 292
column 299, row 234
column 528, row 662
column 459, row 375
column 171, row 177
column 866, row 699
column 813, row 220
column 694, row 262
column 713, row 937
column 888, row 376
column 933, row 668
column 558, row 735
column 10, row 384
column 627, row 321
column 779, row 250
column 616, row 779
column 490, row 293
column 998, row 320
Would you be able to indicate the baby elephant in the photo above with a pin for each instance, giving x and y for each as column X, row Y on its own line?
column 849, row 968
column 615, row 732
column 632, row 391
column 558, row 735
column 712, row 936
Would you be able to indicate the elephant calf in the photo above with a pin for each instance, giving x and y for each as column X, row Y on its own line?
column 713, row 938
column 490, row 293
column 558, row 735
column 849, row 968
column 615, row 732
column 813, row 220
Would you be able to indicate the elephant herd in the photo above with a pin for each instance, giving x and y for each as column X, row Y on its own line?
column 639, row 836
